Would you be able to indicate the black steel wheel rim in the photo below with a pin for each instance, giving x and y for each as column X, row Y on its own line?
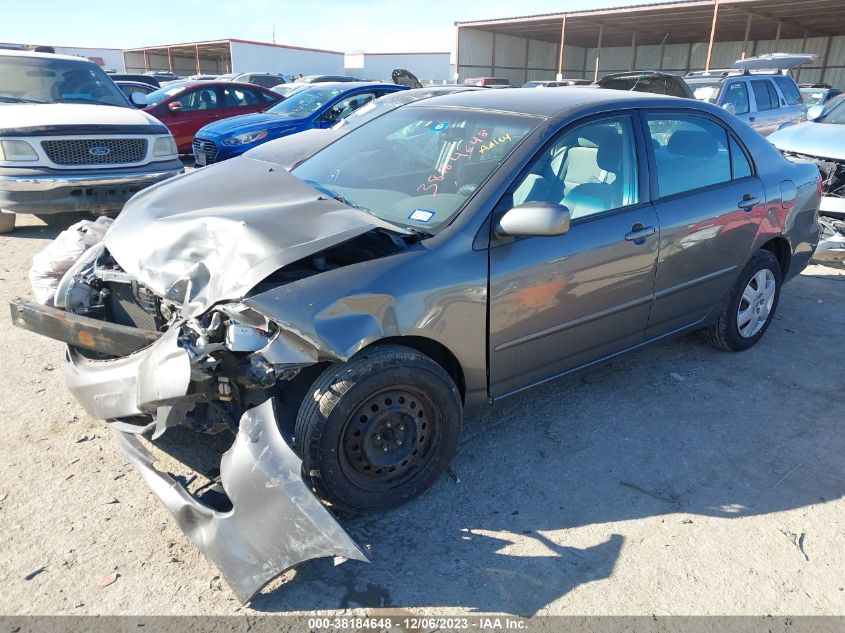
column 389, row 438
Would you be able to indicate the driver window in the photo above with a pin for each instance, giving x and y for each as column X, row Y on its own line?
column 736, row 98
column 345, row 107
column 204, row 99
column 591, row 169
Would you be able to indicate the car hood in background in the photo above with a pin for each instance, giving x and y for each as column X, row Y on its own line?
column 289, row 151
column 824, row 140
column 196, row 240
column 248, row 123
column 19, row 117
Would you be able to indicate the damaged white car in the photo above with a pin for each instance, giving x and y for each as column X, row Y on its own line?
column 341, row 318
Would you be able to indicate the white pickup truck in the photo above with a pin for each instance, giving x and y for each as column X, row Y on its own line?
column 71, row 141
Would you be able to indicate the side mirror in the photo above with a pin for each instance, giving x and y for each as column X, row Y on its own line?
column 174, row 106
column 814, row 112
column 534, row 218
column 730, row 107
column 139, row 99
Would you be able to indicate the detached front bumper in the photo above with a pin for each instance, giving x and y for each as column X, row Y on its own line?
column 47, row 191
column 275, row 522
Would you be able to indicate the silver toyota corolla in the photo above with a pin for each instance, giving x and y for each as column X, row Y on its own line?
column 342, row 318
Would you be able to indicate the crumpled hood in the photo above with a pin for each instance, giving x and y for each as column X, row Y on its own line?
column 247, row 123
column 289, row 151
column 823, row 140
column 213, row 234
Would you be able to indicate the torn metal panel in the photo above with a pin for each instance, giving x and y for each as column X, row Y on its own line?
column 200, row 240
column 127, row 386
column 275, row 522
column 831, row 246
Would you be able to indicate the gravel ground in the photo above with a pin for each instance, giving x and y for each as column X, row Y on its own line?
column 674, row 480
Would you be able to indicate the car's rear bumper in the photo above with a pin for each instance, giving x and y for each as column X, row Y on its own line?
column 45, row 191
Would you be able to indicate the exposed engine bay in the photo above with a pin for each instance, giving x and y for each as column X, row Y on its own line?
column 833, row 183
column 229, row 375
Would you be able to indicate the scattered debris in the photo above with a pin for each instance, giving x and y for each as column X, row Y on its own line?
column 108, row 579
column 652, row 493
column 34, row 573
column 454, row 474
column 797, row 540
column 676, row 377
column 3, row 497
column 781, row 480
column 84, row 438
column 686, row 521
column 113, row 501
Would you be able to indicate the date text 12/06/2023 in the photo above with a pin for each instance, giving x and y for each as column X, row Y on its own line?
column 479, row 140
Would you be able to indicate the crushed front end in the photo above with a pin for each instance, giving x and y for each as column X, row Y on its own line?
column 833, row 183
column 134, row 360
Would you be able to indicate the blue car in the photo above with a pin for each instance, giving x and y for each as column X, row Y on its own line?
column 320, row 106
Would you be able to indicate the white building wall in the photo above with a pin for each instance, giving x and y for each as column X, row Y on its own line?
column 428, row 67
column 254, row 57
column 112, row 58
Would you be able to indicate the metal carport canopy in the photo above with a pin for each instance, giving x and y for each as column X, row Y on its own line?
column 684, row 21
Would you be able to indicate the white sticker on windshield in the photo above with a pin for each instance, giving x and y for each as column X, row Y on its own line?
column 421, row 215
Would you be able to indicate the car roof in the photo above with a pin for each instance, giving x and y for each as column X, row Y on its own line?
column 351, row 85
column 547, row 103
column 210, row 83
column 72, row 58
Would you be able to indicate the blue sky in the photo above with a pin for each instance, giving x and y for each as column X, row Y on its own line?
column 371, row 25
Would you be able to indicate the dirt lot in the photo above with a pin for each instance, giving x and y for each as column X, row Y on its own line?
column 675, row 480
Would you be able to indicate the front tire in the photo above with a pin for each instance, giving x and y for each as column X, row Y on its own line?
column 378, row 430
column 750, row 306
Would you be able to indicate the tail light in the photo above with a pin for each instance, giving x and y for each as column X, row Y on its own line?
column 820, row 185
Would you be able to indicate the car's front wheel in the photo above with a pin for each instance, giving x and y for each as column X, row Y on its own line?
column 750, row 306
column 379, row 429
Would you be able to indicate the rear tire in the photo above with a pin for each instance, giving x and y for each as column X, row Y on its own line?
column 378, row 430
column 750, row 306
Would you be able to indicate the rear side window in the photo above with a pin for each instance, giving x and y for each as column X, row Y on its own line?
column 762, row 95
column 690, row 152
column 736, row 98
column 740, row 167
column 789, row 89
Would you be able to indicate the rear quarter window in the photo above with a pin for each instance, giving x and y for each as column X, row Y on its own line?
column 789, row 89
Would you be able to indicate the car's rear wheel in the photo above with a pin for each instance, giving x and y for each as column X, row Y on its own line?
column 378, row 430
column 750, row 306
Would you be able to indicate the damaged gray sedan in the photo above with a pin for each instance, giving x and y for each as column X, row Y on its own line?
column 341, row 319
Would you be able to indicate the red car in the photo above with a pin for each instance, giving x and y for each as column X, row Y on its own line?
column 186, row 106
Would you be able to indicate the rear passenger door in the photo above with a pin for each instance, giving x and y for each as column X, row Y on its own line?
column 709, row 202
column 795, row 110
column 769, row 115
column 237, row 100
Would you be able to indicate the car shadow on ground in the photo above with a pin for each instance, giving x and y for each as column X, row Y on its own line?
column 675, row 430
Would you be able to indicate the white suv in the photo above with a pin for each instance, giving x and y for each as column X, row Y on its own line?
column 71, row 141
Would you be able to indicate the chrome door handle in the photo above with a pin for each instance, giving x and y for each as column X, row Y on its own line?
column 639, row 232
column 748, row 202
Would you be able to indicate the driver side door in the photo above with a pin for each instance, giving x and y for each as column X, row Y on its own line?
column 559, row 303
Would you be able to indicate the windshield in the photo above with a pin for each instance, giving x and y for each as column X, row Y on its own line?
column 705, row 89
column 304, row 102
column 835, row 115
column 56, row 80
column 812, row 97
column 416, row 166
column 162, row 94
column 374, row 109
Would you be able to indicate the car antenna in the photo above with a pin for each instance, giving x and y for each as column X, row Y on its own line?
column 657, row 52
